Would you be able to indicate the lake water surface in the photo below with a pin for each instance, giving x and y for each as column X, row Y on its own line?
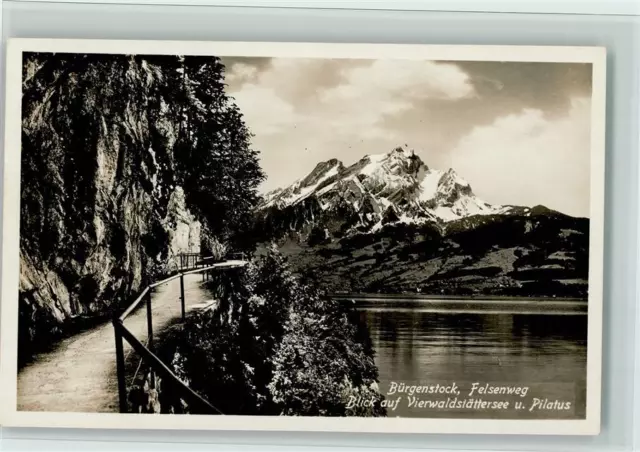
column 423, row 344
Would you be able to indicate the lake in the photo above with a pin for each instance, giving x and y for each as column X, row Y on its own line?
column 498, row 346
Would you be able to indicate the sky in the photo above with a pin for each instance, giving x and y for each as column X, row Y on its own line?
column 519, row 133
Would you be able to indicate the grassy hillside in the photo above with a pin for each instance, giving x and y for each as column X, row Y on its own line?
column 542, row 255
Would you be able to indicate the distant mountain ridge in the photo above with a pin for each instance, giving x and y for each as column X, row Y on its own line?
column 390, row 223
column 377, row 190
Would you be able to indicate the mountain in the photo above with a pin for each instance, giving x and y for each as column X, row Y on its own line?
column 376, row 190
column 389, row 223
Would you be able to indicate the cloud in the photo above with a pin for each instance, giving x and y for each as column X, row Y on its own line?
column 241, row 73
column 351, row 97
column 401, row 82
column 369, row 96
column 265, row 112
column 528, row 159
column 273, row 97
column 333, row 107
column 518, row 132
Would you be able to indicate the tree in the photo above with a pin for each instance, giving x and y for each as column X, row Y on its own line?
column 322, row 365
column 273, row 347
column 220, row 170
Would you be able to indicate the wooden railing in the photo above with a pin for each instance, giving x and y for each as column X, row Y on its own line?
column 189, row 260
column 196, row 260
column 237, row 256
column 197, row 404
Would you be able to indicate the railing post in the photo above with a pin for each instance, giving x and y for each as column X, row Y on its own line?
column 152, row 382
column 149, row 321
column 122, row 384
column 182, row 295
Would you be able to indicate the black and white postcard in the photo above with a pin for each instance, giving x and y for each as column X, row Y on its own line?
column 311, row 237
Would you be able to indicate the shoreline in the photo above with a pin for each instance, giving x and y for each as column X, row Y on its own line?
column 455, row 298
column 485, row 305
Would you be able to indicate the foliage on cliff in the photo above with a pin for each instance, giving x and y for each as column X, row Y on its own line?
column 274, row 347
column 107, row 140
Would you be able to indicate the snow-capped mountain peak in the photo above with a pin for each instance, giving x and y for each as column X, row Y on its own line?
column 396, row 186
column 304, row 187
column 400, row 164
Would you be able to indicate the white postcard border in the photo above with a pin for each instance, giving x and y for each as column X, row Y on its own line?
column 10, row 416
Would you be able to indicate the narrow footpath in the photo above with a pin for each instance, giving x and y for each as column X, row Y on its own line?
column 79, row 374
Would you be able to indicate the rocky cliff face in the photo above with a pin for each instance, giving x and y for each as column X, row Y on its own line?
column 102, row 212
column 183, row 228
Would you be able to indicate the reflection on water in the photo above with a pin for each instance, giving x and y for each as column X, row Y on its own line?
column 418, row 346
